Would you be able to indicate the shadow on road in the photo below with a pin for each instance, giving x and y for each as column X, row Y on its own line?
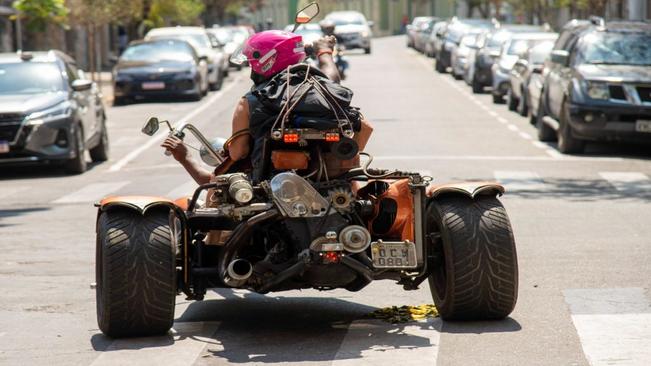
column 275, row 329
column 493, row 326
column 34, row 171
column 5, row 213
column 584, row 190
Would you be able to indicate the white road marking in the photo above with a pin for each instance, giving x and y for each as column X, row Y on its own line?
column 628, row 181
column 11, row 191
column 185, row 189
column 91, row 192
column 502, row 120
column 512, row 127
column 163, row 134
column 554, row 153
column 614, row 325
column 525, row 135
column 181, row 347
column 520, row 180
column 493, row 114
column 540, row 144
column 495, row 157
column 377, row 343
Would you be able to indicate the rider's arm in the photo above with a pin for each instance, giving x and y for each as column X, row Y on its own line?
column 181, row 154
column 239, row 146
column 323, row 49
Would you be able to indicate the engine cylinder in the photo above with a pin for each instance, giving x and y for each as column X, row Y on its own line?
column 240, row 188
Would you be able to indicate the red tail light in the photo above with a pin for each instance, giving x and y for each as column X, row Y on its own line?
column 332, row 137
column 290, row 138
column 331, row 257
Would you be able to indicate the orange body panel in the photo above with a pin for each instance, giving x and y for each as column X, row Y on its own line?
column 403, row 225
column 141, row 203
column 287, row 160
column 470, row 189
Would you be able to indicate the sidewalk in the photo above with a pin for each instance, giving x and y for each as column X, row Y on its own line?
column 105, row 85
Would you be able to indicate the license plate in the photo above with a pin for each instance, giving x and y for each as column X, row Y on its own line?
column 153, row 85
column 643, row 126
column 393, row 254
column 4, row 147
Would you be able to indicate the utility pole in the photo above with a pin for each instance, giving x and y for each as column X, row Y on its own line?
column 19, row 33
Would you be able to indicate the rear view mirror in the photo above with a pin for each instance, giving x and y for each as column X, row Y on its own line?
column 81, row 85
column 306, row 14
column 560, row 57
column 218, row 145
column 538, row 69
column 151, row 127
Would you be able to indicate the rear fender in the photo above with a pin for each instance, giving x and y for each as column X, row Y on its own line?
column 142, row 204
column 468, row 189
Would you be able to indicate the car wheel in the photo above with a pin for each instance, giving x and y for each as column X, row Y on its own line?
column 101, row 151
column 523, row 108
column 512, row 101
column 498, row 99
column 117, row 101
column 217, row 84
column 568, row 144
column 477, row 88
column 545, row 133
column 439, row 66
column 367, row 50
column 474, row 275
column 77, row 165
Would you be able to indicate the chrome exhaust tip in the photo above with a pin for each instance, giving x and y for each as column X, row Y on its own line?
column 238, row 272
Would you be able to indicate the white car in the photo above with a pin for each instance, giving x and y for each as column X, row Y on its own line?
column 352, row 29
column 207, row 49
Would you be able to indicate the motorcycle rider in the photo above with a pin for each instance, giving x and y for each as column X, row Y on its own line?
column 268, row 53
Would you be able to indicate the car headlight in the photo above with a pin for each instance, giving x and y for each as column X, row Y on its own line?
column 597, row 90
column 364, row 34
column 55, row 113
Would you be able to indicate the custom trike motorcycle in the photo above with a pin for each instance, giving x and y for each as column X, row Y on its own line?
column 293, row 227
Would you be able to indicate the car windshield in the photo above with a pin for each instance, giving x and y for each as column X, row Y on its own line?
column 159, row 51
column 348, row 19
column 615, row 48
column 519, row 46
column 540, row 52
column 30, row 78
column 197, row 40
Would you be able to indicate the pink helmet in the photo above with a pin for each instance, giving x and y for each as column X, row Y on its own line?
column 270, row 52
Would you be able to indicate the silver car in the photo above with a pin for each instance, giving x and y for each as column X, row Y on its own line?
column 459, row 57
column 501, row 69
column 201, row 41
column 353, row 29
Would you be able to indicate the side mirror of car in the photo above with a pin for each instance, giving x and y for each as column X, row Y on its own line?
column 560, row 57
column 81, row 85
column 522, row 62
column 538, row 69
column 113, row 59
column 203, row 58
column 370, row 23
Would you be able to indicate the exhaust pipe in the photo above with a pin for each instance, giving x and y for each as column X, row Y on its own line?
column 238, row 272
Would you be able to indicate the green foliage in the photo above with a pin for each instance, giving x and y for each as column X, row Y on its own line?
column 98, row 12
column 38, row 13
column 180, row 12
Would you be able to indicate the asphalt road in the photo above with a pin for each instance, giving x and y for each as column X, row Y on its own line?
column 581, row 224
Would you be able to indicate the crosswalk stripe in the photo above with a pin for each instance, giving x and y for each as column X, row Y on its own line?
column 91, row 192
column 377, row 343
column 180, row 348
column 614, row 325
column 520, row 180
column 628, row 181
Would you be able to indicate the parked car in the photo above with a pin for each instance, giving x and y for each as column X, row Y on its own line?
column 455, row 30
column 422, row 36
column 478, row 72
column 239, row 35
column 527, row 70
column 199, row 39
column 353, row 29
column 432, row 43
column 225, row 38
column 414, row 28
column 49, row 112
column 309, row 32
column 501, row 69
column 163, row 67
column 598, row 87
column 459, row 57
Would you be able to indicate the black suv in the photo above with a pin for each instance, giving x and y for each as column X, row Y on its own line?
column 598, row 85
column 49, row 112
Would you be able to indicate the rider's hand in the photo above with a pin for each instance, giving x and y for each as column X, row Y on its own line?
column 175, row 145
column 326, row 43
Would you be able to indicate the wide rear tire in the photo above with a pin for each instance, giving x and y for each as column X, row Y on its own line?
column 135, row 273
column 475, row 276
